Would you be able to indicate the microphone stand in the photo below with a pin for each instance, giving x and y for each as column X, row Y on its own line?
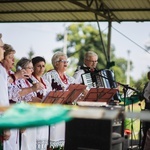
column 140, row 132
column 125, row 89
column 125, row 86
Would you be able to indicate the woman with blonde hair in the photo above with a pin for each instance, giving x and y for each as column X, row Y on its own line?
column 4, row 100
column 25, row 90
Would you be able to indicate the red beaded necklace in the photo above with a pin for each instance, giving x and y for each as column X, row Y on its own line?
column 64, row 79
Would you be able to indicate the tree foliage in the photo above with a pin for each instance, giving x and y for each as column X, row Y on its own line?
column 84, row 37
column 30, row 53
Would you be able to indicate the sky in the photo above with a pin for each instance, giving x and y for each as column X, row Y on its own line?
column 41, row 37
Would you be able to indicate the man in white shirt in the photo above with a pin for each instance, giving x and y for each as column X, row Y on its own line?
column 90, row 63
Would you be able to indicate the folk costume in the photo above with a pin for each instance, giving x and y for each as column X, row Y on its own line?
column 3, row 102
column 32, row 138
column 57, row 131
column 42, row 132
column 3, row 87
column 47, row 87
column 28, row 137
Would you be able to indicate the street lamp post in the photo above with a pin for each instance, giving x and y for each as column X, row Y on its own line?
column 65, row 41
column 128, row 68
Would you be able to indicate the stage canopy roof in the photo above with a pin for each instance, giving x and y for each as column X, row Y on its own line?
column 74, row 10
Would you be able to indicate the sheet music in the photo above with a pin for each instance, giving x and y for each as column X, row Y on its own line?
column 100, row 94
column 57, row 97
column 65, row 97
column 75, row 91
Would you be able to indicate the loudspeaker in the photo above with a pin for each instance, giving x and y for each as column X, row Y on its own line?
column 88, row 134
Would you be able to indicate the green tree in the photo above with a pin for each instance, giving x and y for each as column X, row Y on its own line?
column 14, row 68
column 30, row 53
column 83, row 37
column 120, row 69
column 141, row 82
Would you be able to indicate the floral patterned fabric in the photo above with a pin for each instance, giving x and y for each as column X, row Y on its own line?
column 16, row 87
column 56, row 82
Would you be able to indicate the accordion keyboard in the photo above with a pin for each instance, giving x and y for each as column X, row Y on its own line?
column 87, row 80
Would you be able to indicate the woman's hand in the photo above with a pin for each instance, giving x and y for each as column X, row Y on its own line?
column 22, row 130
column 20, row 74
column 6, row 134
column 36, row 100
column 37, row 86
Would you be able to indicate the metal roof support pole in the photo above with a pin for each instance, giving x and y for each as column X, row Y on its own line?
column 109, row 62
column 109, row 41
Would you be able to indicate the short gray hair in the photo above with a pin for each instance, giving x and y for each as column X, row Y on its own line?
column 90, row 54
column 56, row 57
column 0, row 35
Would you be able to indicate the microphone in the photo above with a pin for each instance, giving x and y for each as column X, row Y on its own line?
column 19, row 68
column 27, row 77
column 30, row 80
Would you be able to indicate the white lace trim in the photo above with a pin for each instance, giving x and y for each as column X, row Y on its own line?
column 44, row 91
column 55, row 144
column 41, row 144
column 58, row 80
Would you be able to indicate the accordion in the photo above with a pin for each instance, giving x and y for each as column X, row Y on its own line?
column 101, row 78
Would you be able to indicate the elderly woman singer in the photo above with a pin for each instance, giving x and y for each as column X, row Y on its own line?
column 58, row 80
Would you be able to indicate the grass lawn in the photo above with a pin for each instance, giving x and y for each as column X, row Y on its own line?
column 134, row 124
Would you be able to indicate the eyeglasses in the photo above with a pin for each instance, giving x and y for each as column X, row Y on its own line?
column 63, row 61
column 92, row 61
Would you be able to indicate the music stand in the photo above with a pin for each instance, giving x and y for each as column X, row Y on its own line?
column 64, row 97
column 75, row 91
column 56, row 97
column 100, row 94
